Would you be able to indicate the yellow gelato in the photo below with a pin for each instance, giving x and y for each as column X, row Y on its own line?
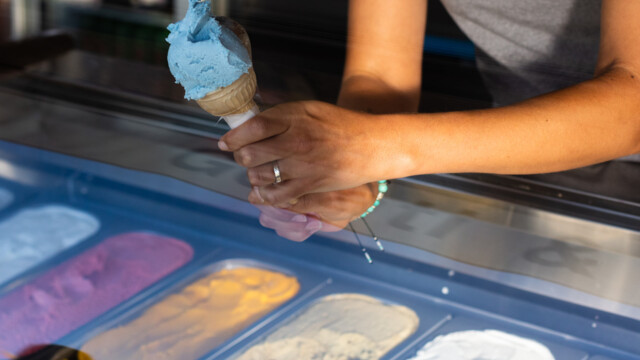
column 193, row 322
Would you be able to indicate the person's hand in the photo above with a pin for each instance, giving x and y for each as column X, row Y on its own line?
column 318, row 147
column 327, row 212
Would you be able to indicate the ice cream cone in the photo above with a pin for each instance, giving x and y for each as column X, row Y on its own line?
column 235, row 102
column 236, row 98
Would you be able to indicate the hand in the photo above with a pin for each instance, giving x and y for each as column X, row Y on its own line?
column 319, row 148
column 328, row 212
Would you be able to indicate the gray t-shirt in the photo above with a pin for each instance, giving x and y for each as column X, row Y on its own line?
column 526, row 48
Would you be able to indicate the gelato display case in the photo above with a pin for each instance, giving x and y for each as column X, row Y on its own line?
column 126, row 234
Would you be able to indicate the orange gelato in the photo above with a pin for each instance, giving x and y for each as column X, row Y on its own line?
column 189, row 324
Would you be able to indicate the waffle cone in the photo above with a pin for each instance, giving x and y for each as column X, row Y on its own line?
column 236, row 98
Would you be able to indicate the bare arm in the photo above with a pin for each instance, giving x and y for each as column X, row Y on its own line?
column 593, row 121
column 590, row 122
column 384, row 56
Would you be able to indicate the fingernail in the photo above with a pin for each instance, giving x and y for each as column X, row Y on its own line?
column 299, row 218
column 313, row 225
column 223, row 146
column 256, row 191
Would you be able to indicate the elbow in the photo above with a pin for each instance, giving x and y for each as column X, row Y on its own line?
column 625, row 79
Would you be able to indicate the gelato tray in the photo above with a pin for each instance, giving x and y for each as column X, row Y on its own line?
column 203, row 313
column 36, row 234
column 137, row 271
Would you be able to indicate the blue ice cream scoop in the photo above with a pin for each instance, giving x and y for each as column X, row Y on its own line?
column 211, row 58
column 205, row 56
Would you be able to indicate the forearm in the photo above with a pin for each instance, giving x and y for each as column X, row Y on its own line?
column 591, row 122
column 383, row 66
column 373, row 95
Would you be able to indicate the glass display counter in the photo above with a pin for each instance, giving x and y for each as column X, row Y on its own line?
column 167, row 259
column 125, row 233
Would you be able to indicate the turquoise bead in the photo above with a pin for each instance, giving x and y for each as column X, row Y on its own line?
column 382, row 188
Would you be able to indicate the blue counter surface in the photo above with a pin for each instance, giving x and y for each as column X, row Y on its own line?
column 222, row 229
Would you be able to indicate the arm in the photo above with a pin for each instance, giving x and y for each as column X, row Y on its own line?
column 590, row 122
column 383, row 32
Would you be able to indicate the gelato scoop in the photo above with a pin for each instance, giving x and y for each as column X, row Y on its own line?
column 210, row 57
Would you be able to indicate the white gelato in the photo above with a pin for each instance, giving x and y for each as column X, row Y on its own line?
column 483, row 345
column 34, row 235
column 338, row 327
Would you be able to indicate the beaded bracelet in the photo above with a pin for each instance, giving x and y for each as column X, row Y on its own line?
column 383, row 186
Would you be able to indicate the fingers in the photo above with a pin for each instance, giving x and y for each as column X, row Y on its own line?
column 261, row 153
column 277, row 194
column 281, row 214
column 299, row 228
column 270, row 123
column 264, row 175
column 255, row 129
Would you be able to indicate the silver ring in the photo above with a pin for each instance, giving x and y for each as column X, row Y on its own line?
column 276, row 173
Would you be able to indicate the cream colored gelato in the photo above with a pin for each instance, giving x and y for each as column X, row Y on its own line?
column 195, row 321
column 338, row 327
column 484, row 345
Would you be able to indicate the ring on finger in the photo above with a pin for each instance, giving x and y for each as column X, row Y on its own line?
column 276, row 173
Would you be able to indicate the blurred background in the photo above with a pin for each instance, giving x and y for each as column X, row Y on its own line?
column 298, row 46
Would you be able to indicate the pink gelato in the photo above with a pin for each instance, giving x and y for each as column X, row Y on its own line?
column 71, row 294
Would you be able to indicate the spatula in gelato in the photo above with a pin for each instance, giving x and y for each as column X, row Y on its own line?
column 210, row 57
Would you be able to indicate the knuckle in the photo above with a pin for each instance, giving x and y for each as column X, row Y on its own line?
column 312, row 107
column 243, row 157
column 253, row 176
column 256, row 177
